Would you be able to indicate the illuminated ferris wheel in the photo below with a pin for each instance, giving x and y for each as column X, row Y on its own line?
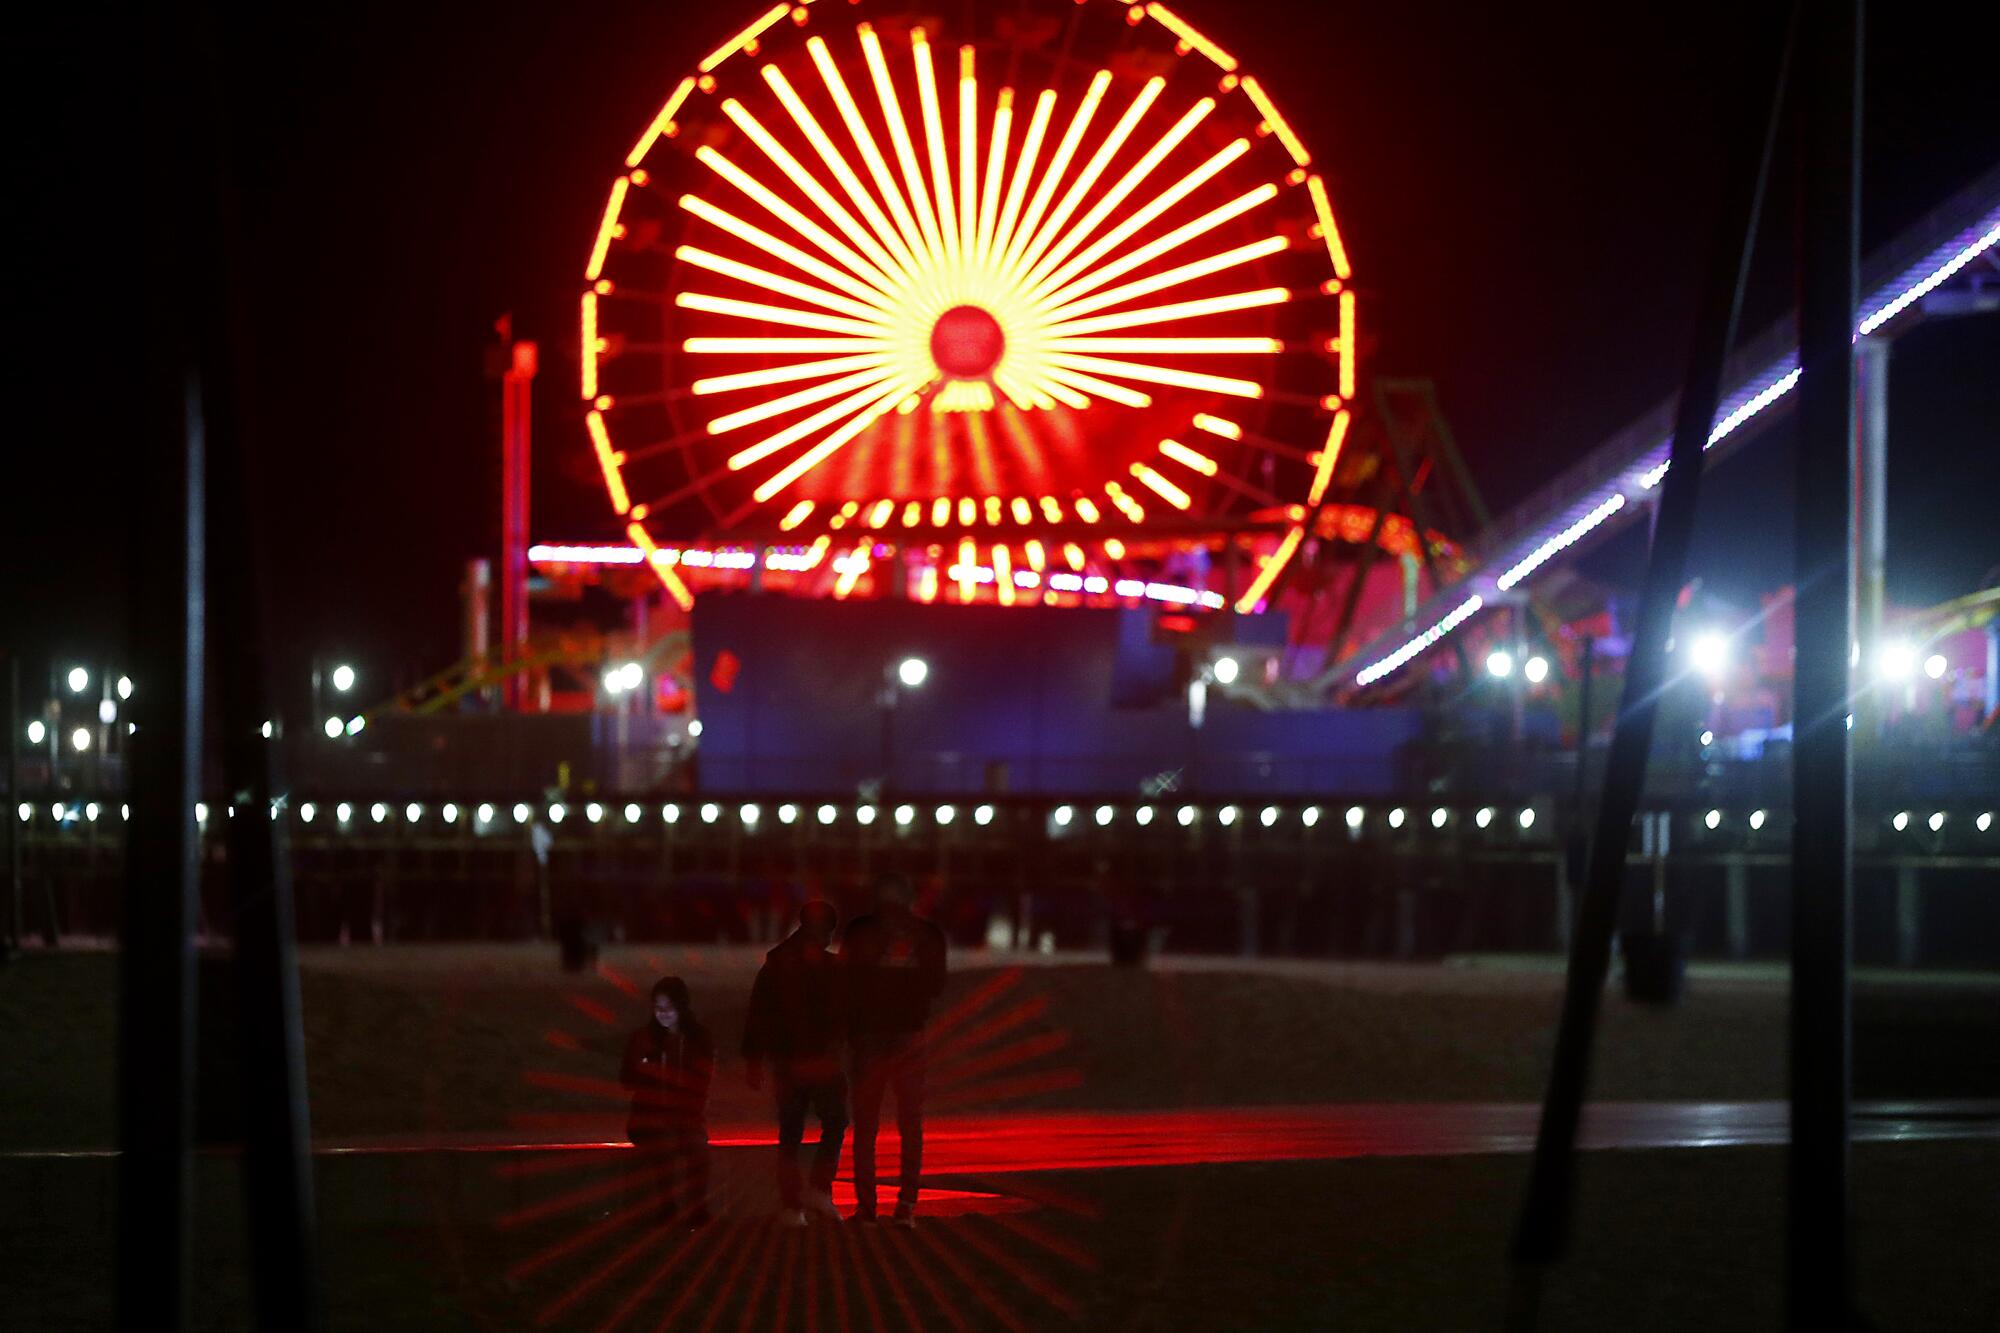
column 1045, row 303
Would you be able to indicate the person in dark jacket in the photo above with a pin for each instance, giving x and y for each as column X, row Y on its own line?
column 668, row 1066
column 795, row 1025
column 893, row 962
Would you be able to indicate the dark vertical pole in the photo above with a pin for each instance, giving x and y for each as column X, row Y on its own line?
column 277, row 1165
column 156, row 961
column 1542, row 1233
column 516, row 381
column 1822, row 791
column 1579, row 841
column 9, row 817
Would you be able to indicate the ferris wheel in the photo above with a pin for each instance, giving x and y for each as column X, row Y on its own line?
column 1043, row 302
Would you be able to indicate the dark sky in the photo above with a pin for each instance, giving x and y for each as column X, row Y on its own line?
column 1526, row 191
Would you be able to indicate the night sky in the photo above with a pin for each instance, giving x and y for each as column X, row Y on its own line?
column 1526, row 191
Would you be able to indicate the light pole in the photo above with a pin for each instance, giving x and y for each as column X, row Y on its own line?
column 908, row 674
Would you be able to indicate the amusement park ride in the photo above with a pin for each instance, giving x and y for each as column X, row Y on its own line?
column 1045, row 304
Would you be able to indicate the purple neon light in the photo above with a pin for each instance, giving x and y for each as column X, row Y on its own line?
column 1751, row 398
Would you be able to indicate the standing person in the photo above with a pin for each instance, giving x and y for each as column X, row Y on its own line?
column 668, row 1066
column 795, row 1024
column 894, row 965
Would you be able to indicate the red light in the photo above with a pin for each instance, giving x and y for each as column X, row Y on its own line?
column 1178, row 624
column 967, row 342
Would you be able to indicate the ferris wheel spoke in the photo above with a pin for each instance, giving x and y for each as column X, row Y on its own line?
column 1052, row 227
column 1173, row 277
column 996, row 171
column 747, row 346
column 1171, row 241
column 761, row 313
column 843, row 173
column 1052, row 175
column 968, row 151
column 779, row 249
column 899, row 140
column 768, row 281
column 871, row 152
column 1163, row 375
column 1091, row 384
column 1024, row 169
column 1130, row 181
column 798, row 370
column 934, row 144
column 797, row 431
column 776, row 407
column 797, row 220
column 1178, row 310
column 794, row 170
column 826, row 448
column 1173, row 346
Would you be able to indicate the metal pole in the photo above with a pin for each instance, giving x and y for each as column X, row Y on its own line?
column 1871, row 479
column 1819, row 1282
column 516, row 381
column 9, row 817
column 1541, row 1235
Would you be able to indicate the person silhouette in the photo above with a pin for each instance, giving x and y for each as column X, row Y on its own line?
column 893, row 964
column 668, row 1066
column 795, row 1024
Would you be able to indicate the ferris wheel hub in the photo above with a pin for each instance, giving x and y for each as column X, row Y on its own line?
column 967, row 342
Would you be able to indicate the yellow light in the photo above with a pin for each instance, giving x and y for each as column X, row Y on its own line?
column 662, row 569
column 784, row 250
column 1188, row 458
column 753, row 346
column 968, row 149
column 797, row 431
column 821, row 545
column 1093, row 97
column 1148, row 93
column 608, row 460
column 1174, row 239
column 1023, row 513
column 941, row 511
column 1268, row 575
column 1269, row 111
column 798, row 370
column 1232, row 346
column 1199, row 268
column 660, row 122
column 1074, row 555
column 913, row 513
column 777, row 314
column 1024, row 166
column 1182, row 379
column 763, row 278
column 1161, row 487
column 1347, row 345
column 836, row 162
column 1037, row 557
column 1126, row 504
column 798, row 514
column 996, row 169
column 864, row 139
column 744, row 38
column 967, row 553
column 589, row 349
column 927, row 105
column 927, row 584
column 1182, row 29
column 1328, row 457
column 968, row 511
column 825, row 449
column 862, row 379
column 1114, row 549
column 1118, row 235
column 1215, row 425
column 964, row 396
column 1086, row 509
column 605, row 227
column 1329, row 230
column 798, row 221
column 1130, row 181
column 857, row 562
column 1052, row 509
column 1003, row 576
column 881, row 512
